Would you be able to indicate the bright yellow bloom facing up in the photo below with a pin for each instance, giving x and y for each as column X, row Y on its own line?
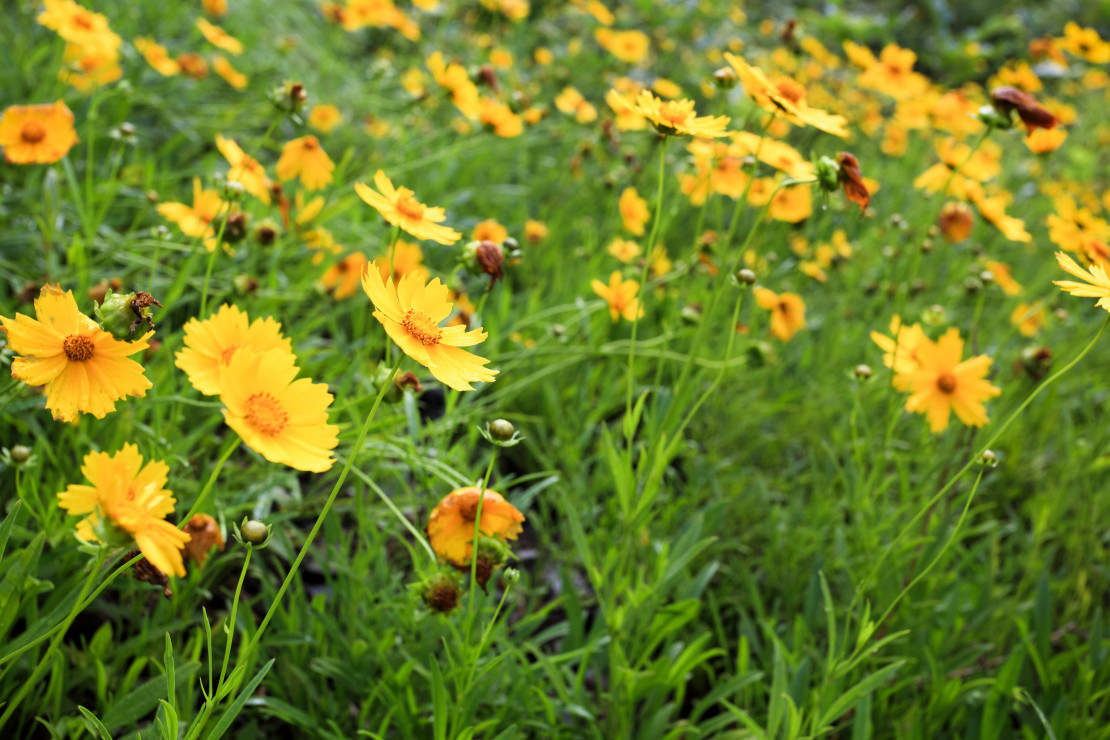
column 130, row 498
column 621, row 297
column 451, row 523
column 672, row 117
column 788, row 312
column 37, row 134
column 305, row 158
column 210, row 344
column 282, row 419
column 84, row 368
column 1095, row 283
column 943, row 384
column 400, row 208
column 411, row 313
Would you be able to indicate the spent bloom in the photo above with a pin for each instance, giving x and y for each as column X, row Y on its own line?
column 127, row 501
column 451, row 523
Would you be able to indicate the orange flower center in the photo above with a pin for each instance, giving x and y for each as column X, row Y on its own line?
column 225, row 356
column 33, row 132
column 468, row 506
column 673, row 115
column 421, row 327
column 264, row 412
column 309, row 143
column 78, row 348
column 791, row 90
column 946, row 382
column 82, row 21
column 409, row 208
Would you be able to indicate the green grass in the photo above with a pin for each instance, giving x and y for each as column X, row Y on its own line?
column 738, row 557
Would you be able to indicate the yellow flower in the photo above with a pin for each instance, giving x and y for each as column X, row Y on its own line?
column 210, row 344
column 130, row 498
column 792, row 204
column 628, row 46
column 942, row 383
column 411, row 313
column 993, row 209
column 489, row 230
column 786, row 99
column 37, row 134
column 1084, row 43
column 672, row 117
column 404, row 258
column 342, row 278
column 89, row 67
column 79, row 26
column 892, row 73
column 282, row 419
column 1029, row 319
column 788, row 312
column 500, row 118
column 231, row 76
column 215, row 8
column 400, row 208
column 194, row 220
column 219, row 37
column 901, row 350
column 625, row 250
column 84, row 368
column 451, row 523
column 305, row 158
column 455, row 79
column 324, row 118
column 1095, row 283
column 634, row 211
column 1004, row 277
column 621, row 296
column 245, row 169
column 1044, row 140
column 534, row 231
column 570, row 101
column 660, row 263
column 157, row 56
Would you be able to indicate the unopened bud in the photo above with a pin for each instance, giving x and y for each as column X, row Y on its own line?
column 501, row 429
column 746, row 276
column 725, row 78
column 254, row 532
column 989, row 459
column 863, row 372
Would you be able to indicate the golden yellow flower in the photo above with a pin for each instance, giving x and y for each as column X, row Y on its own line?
column 245, row 169
column 892, row 73
column 942, row 383
column 84, row 368
column 324, row 117
column 37, row 134
column 157, row 56
column 400, row 208
column 411, row 313
column 210, row 344
column 634, row 211
column 489, row 230
column 628, row 46
column 1084, row 43
column 788, row 312
column 231, row 76
column 901, row 350
column 79, row 26
column 785, row 99
column 89, row 67
column 1095, row 283
column 215, row 8
column 792, row 204
column 282, row 419
column 672, row 117
column 535, row 231
column 342, row 279
column 195, row 220
column 451, row 523
column 219, row 37
column 621, row 297
column 1044, row 140
column 625, row 250
column 1003, row 277
column 499, row 118
column 305, row 158
column 1029, row 319
column 127, row 499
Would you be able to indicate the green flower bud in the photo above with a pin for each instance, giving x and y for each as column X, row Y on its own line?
column 255, row 532
column 501, row 429
column 121, row 314
column 828, row 174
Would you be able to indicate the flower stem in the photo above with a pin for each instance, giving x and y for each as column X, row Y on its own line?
column 474, row 544
column 232, row 445
column 231, row 620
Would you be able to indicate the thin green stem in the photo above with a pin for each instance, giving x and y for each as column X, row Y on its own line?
column 474, row 544
column 231, row 621
column 231, row 446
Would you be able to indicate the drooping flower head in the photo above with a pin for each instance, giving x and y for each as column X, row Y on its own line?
column 84, row 368
column 451, row 523
column 282, row 419
column 943, row 384
column 1007, row 99
column 400, row 208
column 672, row 117
column 37, row 134
column 211, row 343
column 411, row 313
column 127, row 500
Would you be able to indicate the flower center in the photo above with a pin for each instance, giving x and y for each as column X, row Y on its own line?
column 33, row 132
column 468, row 506
column 791, row 90
column 421, row 327
column 309, row 143
column 226, row 355
column 264, row 412
column 946, row 382
column 78, row 348
column 82, row 21
column 672, row 114
column 409, row 208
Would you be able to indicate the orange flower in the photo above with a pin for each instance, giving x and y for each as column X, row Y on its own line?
column 245, row 169
column 324, row 117
column 157, row 56
column 231, row 76
column 788, row 312
column 621, row 296
column 672, row 117
column 942, row 383
column 451, row 523
column 219, row 37
column 37, row 134
column 305, row 158
column 342, row 278
column 400, row 208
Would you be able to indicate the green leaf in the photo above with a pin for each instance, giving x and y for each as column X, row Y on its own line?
column 6, row 527
column 237, row 706
column 854, row 695
column 439, row 703
column 94, row 724
column 171, row 693
column 144, row 699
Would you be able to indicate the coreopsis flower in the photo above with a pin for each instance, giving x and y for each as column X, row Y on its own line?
column 942, row 383
column 210, row 344
column 659, row 262
column 127, row 502
column 411, row 313
column 628, row 119
column 36, row 134
column 785, row 99
column 892, row 73
column 305, row 158
column 79, row 26
column 1043, row 140
column 621, row 297
column 993, row 209
column 215, row 8
column 282, row 419
column 489, row 230
column 84, row 368
column 792, row 204
column 342, row 279
column 157, row 56
column 955, row 221
column 1029, row 319
column 451, row 523
column 627, row 46
column 634, row 211
column 195, row 220
column 973, row 168
column 788, row 312
column 900, row 350
column 535, row 231
column 499, row 118
column 219, row 37
column 772, row 152
column 245, row 169
column 1003, row 277
column 1095, row 283
column 625, row 250
column 1031, row 113
column 204, row 534
column 324, row 118
column 231, row 76
column 720, row 169
column 193, row 65
column 673, row 117
column 89, row 67
column 571, row 102
column 1084, row 43
column 400, row 208
column 455, row 79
